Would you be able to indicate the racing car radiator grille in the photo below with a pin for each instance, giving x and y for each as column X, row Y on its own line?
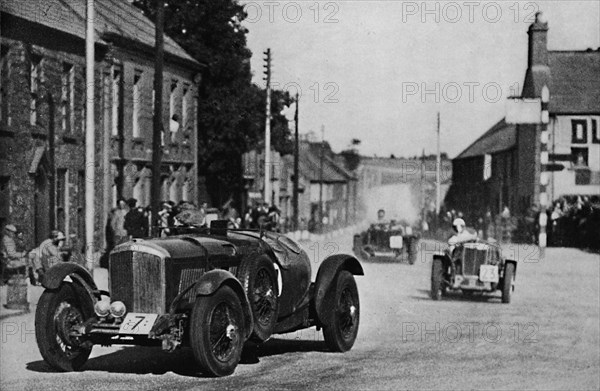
column 472, row 260
column 137, row 279
column 189, row 277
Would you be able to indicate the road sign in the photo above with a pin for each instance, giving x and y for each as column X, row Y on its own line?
column 523, row 111
column 560, row 157
column 553, row 167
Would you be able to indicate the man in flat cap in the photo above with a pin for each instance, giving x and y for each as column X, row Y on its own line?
column 12, row 260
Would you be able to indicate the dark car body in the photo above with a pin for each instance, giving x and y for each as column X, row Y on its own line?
column 164, row 283
column 473, row 266
column 389, row 242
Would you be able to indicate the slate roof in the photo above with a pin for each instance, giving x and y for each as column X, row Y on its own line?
column 575, row 82
column 309, row 166
column 113, row 18
column 499, row 137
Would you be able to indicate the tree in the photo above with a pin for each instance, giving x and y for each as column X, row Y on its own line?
column 231, row 110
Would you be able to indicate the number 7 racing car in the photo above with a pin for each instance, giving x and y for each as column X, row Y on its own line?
column 211, row 291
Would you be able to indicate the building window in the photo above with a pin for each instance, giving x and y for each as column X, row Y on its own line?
column 595, row 132
column 35, row 80
column 580, row 157
column 117, row 94
column 5, row 118
column 4, row 197
column 137, row 96
column 68, row 97
column 579, row 131
column 173, row 90
column 185, row 107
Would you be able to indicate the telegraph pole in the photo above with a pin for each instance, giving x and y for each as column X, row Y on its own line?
column 89, row 138
column 321, row 177
column 296, row 164
column 267, row 195
column 438, row 191
column 158, row 112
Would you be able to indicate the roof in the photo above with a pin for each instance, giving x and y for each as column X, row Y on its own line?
column 499, row 137
column 112, row 18
column 310, row 166
column 575, row 82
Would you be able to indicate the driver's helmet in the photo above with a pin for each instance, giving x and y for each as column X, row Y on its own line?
column 458, row 223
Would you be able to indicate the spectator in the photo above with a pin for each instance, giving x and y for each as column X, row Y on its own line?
column 117, row 222
column 13, row 261
column 47, row 254
column 136, row 222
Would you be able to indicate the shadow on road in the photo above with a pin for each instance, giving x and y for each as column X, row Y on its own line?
column 458, row 296
column 152, row 360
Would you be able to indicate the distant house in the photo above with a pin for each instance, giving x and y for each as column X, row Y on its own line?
column 503, row 167
column 42, row 109
column 322, row 181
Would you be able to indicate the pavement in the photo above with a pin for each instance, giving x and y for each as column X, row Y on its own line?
column 547, row 338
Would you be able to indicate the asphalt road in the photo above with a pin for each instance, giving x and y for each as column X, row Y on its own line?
column 547, row 338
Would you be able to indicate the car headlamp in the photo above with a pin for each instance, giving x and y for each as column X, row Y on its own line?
column 117, row 309
column 102, row 308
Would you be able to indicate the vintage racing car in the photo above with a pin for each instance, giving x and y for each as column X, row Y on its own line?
column 386, row 242
column 211, row 291
column 474, row 266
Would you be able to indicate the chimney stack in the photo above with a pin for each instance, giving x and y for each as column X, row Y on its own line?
column 538, row 41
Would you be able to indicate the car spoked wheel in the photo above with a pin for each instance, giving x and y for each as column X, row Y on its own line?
column 58, row 313
column 223, row 333
column 217, row 332
column 347, row 314
column 264, row 298
column 341, row 328
column 259, row 280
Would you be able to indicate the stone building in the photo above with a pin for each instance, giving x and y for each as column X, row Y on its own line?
column 42, row 123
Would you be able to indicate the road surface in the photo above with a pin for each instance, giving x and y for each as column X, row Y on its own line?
column 547, row 338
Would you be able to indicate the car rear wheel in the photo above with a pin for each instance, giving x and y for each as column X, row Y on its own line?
column 259, row 280
column 507, row 283
column 58, row 311
column 341, row 328
column 217, row 332
column 437, row 278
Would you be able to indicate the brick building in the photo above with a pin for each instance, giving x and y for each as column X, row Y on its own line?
column 42, row 124
column 503, row 166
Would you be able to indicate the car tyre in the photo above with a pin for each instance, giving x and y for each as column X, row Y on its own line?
column 507, row 282
column 259, row 280
column 341, row 328
column 217, row 332
column 57, row 311
column 437, row 278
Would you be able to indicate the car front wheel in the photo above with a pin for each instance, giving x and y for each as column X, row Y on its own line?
column 342, row 326
column 437, row 278
column 217, row 332
column 58, row 312
column 507, row 283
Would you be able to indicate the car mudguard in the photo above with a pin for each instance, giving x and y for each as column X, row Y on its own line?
column 57, row 273
column 210, row 282
column 325, row 278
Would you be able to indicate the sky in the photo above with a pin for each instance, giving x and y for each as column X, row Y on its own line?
column 381, row 70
